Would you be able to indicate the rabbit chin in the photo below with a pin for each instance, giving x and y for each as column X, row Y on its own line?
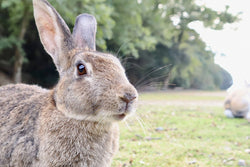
column 101, row 116
column 114, row 116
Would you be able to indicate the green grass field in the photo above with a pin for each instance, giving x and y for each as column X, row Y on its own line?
column 182, row 129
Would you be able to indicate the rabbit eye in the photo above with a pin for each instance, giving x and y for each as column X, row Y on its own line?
column 81, row 69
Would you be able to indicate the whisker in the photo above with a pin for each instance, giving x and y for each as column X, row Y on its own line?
column 124, row 59
column 153, row 79
column 124, row 43
column 132, row 65
column 149, row 82
column 144, row 124
column 101, row 120
column 144, row 131
column 127, row 125
column 151, row 72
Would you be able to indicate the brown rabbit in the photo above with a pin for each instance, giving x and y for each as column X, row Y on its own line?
column 75, row 123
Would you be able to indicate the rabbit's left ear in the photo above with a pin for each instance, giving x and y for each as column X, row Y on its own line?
column 84, row 32
column 54, row 33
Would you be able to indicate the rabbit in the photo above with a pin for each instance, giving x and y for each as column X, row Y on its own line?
column 76, row 122
column 237, row 103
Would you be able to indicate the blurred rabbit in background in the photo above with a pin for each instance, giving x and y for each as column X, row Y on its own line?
column 237, row 103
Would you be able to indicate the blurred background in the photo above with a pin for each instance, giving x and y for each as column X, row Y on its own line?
column 190, row 44
column 163, row 44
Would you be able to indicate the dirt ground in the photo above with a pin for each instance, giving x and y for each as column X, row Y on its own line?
column 213, row 98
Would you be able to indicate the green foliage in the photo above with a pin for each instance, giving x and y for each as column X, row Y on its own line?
column 101, row 10
column 227, row 80
column 192, row 65
column 14, row 18
column 154, row 35
column 130, row 34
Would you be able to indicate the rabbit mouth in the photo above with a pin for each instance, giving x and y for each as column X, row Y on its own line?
column 122, row 115
column 119, row 116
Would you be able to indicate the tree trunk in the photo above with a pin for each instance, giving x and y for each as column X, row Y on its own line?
column 17, row 75
column 18, row 67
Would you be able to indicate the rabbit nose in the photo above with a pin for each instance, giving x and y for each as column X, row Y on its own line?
column 128, row 97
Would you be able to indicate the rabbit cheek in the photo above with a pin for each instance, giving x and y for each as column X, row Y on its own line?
column 74, row 100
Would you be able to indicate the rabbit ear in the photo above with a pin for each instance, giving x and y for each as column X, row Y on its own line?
column 84, row 32
column 53, row 31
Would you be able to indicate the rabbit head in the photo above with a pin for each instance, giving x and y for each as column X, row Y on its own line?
column 93, row 86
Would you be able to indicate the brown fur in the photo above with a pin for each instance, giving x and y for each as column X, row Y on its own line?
column 75, row 123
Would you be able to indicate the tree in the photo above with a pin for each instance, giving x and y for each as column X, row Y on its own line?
column 19, row 18
column 19, row 13
column 183, row 49
column 154, row 35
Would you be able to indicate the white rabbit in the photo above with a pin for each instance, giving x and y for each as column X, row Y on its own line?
column 237, row 103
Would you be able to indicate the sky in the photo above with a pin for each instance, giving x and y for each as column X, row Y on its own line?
column 233, row 41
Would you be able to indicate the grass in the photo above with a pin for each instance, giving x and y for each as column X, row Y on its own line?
column 192, row 131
